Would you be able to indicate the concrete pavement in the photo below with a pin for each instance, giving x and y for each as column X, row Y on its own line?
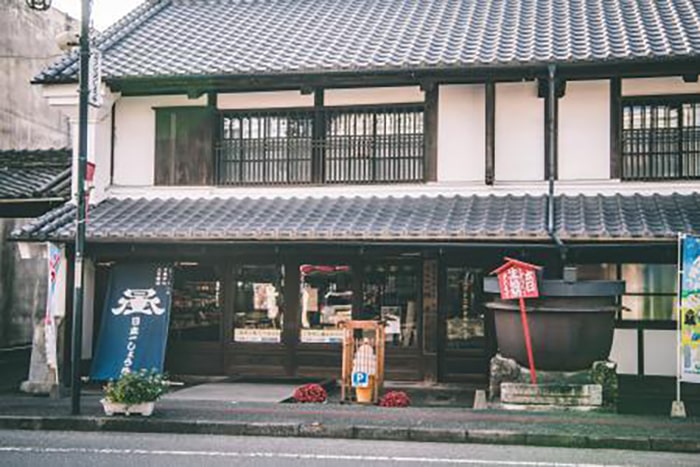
column 448, row 424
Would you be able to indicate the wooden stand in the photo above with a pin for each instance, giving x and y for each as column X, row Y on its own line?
column 374, row 334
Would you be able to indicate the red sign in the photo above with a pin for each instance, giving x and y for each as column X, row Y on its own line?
column 517, row 279
column 516, row 283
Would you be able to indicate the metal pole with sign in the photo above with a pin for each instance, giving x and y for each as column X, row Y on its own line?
column 84, row 93
column 518, row 280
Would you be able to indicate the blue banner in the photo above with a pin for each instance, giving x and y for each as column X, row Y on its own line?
column 690, row 310
column 135, row 321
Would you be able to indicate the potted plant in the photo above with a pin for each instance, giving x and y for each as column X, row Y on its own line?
column 395, row 399
column 309, row 393
column 134, row 392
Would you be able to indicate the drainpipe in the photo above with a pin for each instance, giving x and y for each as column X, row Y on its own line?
column 552, row 126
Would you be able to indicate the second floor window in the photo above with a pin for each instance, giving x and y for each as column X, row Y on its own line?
column 333, row 145
column 661, row 139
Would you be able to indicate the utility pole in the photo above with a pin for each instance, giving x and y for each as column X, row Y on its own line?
column 77, row 328
column 77, row 331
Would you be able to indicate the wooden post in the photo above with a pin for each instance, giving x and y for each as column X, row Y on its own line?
column 528, row 341
column 430, row 320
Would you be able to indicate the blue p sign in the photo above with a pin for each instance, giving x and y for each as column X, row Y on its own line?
column 360, row 379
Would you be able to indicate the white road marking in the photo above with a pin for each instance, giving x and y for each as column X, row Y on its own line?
column 284, row 455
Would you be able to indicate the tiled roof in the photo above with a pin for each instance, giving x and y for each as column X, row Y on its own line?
column 456, row 218
column 29, row 174
column 259, row 37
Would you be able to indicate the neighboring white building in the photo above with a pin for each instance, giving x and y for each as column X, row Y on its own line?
column 398, row 149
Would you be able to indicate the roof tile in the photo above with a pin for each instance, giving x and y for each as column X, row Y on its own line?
column 258, row 37
column 454, row 218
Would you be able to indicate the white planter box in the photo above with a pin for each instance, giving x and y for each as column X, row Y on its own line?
column 112, row 408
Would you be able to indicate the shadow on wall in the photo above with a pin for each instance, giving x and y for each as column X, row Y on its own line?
column 22, row 290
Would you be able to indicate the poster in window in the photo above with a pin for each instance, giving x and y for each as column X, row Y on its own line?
column 392, row 316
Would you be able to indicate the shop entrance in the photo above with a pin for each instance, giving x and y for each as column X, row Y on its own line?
column 466, row 336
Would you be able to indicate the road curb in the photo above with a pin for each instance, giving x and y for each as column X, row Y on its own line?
column 365, row 432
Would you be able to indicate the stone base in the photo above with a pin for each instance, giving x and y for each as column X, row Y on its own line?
column 594, row 388
column 568, row 395
column 36, row 388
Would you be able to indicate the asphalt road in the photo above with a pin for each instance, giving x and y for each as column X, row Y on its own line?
column 57, row 449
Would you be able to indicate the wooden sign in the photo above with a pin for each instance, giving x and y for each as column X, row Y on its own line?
column 518, row 282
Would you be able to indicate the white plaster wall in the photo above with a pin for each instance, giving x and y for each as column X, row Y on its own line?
column 584, row 131
column 519, row 132
column 264, row 100
column 624, row 351
column 134, row 138
column 656, row 86
column 368, row 96
column 660, row 353
column 461, row 133
column 102, row 157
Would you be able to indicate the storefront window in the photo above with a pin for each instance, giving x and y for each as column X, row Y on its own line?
column 464, row 319
column 258, row 304
column 650, row 289
column 390, row 292
column 326, row 301
column 197, row 304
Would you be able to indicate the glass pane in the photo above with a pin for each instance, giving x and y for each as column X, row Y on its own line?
column 646, row 307
column 197, row 304
column 258, row 305
column 596, row 272
column 650, row 278
column 390, row 292
column 464, row 316
column 326, row 301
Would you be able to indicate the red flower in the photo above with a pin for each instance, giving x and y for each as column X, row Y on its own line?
column 310, row 393
column 395, row 399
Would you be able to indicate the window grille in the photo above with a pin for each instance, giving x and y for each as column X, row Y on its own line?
column 332, row 145
column 661, row 140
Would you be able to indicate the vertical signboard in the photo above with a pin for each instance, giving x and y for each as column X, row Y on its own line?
column 135, row 320
column 55, row 303
column 690, row 310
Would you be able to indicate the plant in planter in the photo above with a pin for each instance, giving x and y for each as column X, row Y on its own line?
column 310, row 393
column 395, row 399
column 134, row 392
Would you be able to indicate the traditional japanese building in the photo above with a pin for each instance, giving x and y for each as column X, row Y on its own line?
column 299, row 162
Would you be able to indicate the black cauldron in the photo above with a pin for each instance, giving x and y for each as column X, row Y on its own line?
column 571, row 324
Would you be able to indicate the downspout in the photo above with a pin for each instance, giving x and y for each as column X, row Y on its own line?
column 552, row 127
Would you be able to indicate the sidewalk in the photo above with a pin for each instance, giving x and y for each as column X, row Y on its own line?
column 449, row 424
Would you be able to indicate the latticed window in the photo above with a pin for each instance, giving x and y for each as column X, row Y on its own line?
column 333, row 145
column 661, row 139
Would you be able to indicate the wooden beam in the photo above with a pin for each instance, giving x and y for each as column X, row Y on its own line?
column 490, row 147
column 430, row 130
column 555, row 117
column 615, row 127
column 319, row 135
column 430, row 329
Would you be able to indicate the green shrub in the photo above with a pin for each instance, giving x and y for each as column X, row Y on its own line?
column 137, row 387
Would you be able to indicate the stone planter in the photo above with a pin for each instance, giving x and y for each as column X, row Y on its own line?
column 116, row 408
column 571, row 324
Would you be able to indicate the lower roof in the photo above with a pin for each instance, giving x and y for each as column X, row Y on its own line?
column 35, row 174
column 409, row 219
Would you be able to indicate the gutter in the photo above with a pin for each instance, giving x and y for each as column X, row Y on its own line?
column 551, row 153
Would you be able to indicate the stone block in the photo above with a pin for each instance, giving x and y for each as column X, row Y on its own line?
column 545, row 394
column 320, row 430
column 437, row 435
column 272, row 429
column 495, row 437
column 381, row 432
